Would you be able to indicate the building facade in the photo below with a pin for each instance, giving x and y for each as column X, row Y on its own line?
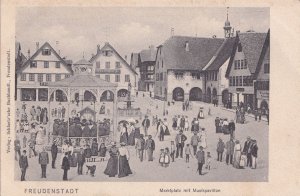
column 262, row 76
column 111, row 67
column 242, row 66
column 146, row 66
column 44, row 66
column 179, row 62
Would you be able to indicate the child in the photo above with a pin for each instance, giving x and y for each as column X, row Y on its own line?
column 208, row 161
column 102, row 152
column 162, row 157
column 243, row 160
column 187, row 153
column 172, row 151
column 167, row 157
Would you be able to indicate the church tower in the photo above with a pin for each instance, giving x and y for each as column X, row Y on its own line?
column 227, row 28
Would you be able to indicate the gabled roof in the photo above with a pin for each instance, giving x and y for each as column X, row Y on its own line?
column 134, row 60
column 82, row 81
column 20, row 58
column 265, row 53
column 148, row 54
column 201, row 50
column 82, row 62
column 27, row 63
column 221, row 56
column 107, row 45
column 252, row 44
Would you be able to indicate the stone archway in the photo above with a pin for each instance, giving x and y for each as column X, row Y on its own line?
column 60, row 96
column 225, row 96
column 208, row 95
column 178, row 94
column 195, row 94
column 88, row 96
column 122, row 93
column 107, row 96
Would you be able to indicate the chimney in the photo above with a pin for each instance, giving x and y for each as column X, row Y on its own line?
column 98, row 48
column 187, row 48
column 28, row 53
column 37, row 45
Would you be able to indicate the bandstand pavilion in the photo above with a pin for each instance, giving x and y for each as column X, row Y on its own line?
column 85, row 96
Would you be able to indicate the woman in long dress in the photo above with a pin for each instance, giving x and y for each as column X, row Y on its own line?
column 203, row 138
column 124, row 134
column 237, row 154
column 167, row 131
column 112, row 164
column 131, row 131
column 124, row 168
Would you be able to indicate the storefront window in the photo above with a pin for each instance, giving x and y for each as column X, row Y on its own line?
column 28, row 94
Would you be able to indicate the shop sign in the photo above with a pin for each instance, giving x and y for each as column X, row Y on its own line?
column 43, row 83
column 240, row 89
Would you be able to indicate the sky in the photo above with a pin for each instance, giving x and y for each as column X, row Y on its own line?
column 76, row 31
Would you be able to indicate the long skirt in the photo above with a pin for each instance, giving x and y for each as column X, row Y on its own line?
column 167, row 131
column 124, row 138
column 124, row 168
column 112, row 166
column 237, row 159
column 131, row 140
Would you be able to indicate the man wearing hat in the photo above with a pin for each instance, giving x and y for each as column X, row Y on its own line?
column 139, row 146
column 54, row 151
column 44, row 161
column 200, row 156
column 247, row 150
column 146, row 125
column 150, row 147
column 179, row 140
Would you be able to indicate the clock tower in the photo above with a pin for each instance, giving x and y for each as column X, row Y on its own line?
column 227, row 28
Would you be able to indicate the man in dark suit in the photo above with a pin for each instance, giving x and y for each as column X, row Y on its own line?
column 201, row 159
column 65, row 166
column 247, row 150
column 179, row 140
column 44, row 161
column 23, row 163
column 80, row 160
column 146, row 125
column 54, row 151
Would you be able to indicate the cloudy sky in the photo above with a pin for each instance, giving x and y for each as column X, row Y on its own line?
column 79, row 30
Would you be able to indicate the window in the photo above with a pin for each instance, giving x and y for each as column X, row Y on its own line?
column 98, row 64
column 157, row 77
column 117, row 78
column 233, row 81
column 118, row 65
column 127, row 78
column 40, row 78
column 230, row 81
column 23, row 77
column 196, row 76
column 67, row 75
column 239, row 64
column 245, row 63
column 179, row 76
column 107, row 78
column 107, row 65
column 31, row 77
column 241, row 80
column 150, row 68
column 235, row 64
column 245, row 80
column 33, row 64
column 242, row 64
column 161, row 77
column 162, row 64
column 267, row 68
column 46, row 52
column 239, row 47
column 236, row 81
column 46, row 64
column 48, row 77
column 57, row 65
column 57, row 77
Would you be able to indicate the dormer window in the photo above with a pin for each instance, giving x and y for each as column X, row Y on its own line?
column 107, row 52
column 33, row 64
column 46, row 51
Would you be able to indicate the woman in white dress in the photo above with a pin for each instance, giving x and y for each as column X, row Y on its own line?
column 186, row 124
column 203, row 138
column 237, row 154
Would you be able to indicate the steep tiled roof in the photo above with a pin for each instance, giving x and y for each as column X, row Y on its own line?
column 201, row 50
column 222, row 55
column 264, row 54
column 27, row 63
column 252, row 44
column 148, row 55
column 82, row 81
column 134, row 60
column 107, row 45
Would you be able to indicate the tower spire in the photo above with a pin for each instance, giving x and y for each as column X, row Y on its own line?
column 227, row 27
